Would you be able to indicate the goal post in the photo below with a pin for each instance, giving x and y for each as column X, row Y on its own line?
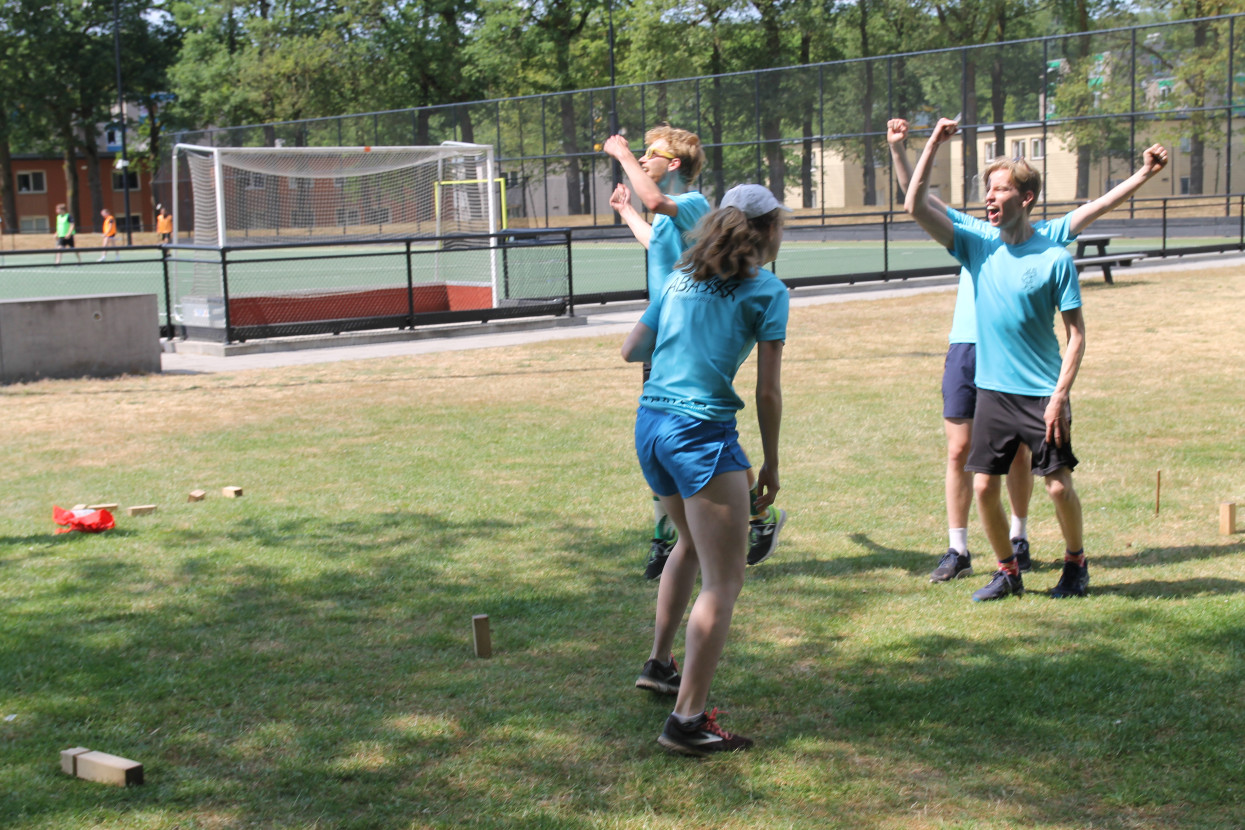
column 269, row 195
column 273, row 196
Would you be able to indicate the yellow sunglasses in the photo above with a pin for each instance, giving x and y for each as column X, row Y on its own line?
column 653, row 151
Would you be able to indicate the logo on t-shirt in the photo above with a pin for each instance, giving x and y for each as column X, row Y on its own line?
column 714, row 287
column 1030, row 279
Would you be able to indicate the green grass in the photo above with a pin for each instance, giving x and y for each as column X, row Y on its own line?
column 302, row 657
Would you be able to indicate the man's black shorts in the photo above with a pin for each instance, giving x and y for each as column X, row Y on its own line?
column 1003, row 422
column 64, row 241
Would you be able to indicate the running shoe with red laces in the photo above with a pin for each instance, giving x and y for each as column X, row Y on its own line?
column 700, row 738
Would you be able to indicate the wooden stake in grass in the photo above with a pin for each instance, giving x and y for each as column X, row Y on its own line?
column 480, row 632
column 1158, row 488
column 1227, row 518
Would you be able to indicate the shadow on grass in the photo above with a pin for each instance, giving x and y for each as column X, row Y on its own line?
column 1169, row 556
column 315, row 671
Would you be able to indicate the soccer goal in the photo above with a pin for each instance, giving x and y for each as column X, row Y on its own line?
column 270, row 195
column 354, row 220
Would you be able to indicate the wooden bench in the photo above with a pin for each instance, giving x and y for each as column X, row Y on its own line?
column 1106, row 261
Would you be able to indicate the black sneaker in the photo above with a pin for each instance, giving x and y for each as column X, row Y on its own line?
column 1020, row 550
column 1001, row 585
column 659, row 677
column 763, row 535
column 953, row 565
column 1073, row 582
column 700, row 738
column 658, row 553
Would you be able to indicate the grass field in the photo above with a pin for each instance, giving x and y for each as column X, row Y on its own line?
column 302, row 656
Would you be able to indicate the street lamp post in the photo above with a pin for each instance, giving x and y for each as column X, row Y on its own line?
column 124, row 163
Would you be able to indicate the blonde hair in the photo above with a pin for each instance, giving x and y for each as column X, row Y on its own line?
column 1024, row 175
column 685, row 145
column 729, row 245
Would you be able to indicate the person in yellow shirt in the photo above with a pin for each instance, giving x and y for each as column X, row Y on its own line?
column 164, row 224
column 110, row 233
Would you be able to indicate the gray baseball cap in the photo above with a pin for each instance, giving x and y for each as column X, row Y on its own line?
column 753, row 199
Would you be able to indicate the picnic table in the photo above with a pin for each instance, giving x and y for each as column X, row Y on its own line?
column 1102, row 259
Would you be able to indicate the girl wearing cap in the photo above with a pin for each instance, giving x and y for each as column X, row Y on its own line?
column 716, row 306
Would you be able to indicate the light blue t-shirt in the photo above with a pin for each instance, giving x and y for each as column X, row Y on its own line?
column 1017, row 290
column 705, row 331
column 964, row 320
column 668, row 241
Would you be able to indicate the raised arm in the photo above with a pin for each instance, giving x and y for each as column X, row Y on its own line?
column 897, row 138
column 650, row 194
column 1153, row 160
column 620, row 200
column 916, row 202
column 769, row 418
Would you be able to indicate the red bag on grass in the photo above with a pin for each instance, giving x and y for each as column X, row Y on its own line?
column 87, row 521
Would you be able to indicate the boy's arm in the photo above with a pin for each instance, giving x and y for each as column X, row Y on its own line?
column 897, row 138
column 1058, row 425
column 1153, row 160
column 620, row 200
column 654, row 200
column 935, row 222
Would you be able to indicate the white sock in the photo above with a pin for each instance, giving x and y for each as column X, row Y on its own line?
column 1018, row 527
column 959, row 539
column 685, row 721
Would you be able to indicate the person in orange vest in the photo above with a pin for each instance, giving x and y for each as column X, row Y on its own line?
column 110, row 233
column 164, row 224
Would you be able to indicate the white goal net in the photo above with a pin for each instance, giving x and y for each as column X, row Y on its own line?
column 271, row 195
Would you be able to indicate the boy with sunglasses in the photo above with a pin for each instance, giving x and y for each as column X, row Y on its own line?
column 664, row 179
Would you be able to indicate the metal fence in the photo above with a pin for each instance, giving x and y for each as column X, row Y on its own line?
column 1081, row 107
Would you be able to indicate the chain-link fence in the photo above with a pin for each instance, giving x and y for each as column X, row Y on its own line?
column 1080, row 107
column 235, row 294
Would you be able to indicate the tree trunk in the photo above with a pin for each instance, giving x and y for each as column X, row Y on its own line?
column 806, row 130
column 94, row 182
column 869, row 173
column 8, row 201
column 570, row 146
column 971, row 171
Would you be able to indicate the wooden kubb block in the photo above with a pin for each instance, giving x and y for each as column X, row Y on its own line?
column 196, row 495
column 231, row 492
column 101, row 767
column 481, row 636
column 1227, row 518
column 141, row 509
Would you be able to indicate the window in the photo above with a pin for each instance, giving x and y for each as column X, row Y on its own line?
column 133, row 222
column 1037, row 147
column 991, row 152
column 252, row 181
column 118, row 180
column 112, row 137
column 31, row 182
column 347, row 216
column 1018, row 149
column 35, row 224
column 1184, row 185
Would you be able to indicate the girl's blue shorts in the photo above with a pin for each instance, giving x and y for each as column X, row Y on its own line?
column 680, row 454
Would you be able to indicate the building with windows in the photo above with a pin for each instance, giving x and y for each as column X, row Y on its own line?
column 39, row 186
